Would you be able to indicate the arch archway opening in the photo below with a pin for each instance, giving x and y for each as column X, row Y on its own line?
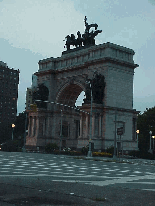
column 80, row 99
column 71, row 95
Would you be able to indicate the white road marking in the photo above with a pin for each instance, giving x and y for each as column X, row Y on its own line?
column 137, row 172
column 6, row 165
column 16, row 172
column 18, row 169
column 5, row 168
column 148, row 183
column 40, row 165
column 150, row 189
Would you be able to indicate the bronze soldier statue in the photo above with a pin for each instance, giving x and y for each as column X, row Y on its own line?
column 98, row 85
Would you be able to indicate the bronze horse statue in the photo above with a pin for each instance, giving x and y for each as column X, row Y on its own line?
column 70, row 41
column 88, row 38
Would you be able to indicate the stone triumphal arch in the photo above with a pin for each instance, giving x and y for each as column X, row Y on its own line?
column 108, row 68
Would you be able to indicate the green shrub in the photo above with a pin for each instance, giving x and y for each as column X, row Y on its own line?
column 85, row 149
column 142, row 154
column 12, row 146
column 50, row 147
column 101, row 154
column 75, row 153
column 110, row 150
column 57, row 152
column 65, row 152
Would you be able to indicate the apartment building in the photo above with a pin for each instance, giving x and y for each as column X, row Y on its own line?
column 9, row 80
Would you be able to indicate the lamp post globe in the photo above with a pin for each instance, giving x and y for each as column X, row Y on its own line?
column 137, row 137
column 13, row 126
column 153, row 142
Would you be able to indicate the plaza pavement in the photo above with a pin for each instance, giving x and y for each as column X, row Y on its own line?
column 46, row 179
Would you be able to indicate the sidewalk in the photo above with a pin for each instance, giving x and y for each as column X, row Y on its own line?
column 125, row 159
column 118, row 160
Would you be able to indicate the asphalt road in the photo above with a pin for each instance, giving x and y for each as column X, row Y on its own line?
column 74, row 177
column 69, row 169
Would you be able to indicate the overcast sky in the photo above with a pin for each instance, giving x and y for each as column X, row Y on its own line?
column 31, row 30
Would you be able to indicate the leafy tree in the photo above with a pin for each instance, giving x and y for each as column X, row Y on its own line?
column 41, row 94
column 5, row 132
column 145, row 123
column 50, row 147
column 19, row 129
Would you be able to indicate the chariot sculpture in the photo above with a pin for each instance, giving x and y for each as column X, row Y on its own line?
column 86, row 39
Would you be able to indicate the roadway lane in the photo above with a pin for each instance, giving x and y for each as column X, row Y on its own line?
column 69, row 169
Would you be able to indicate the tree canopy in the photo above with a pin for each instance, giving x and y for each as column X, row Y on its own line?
column 41, row 94
column 145, row 124
column 19, row 129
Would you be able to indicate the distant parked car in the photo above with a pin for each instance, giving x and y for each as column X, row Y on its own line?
column 11, row 146
column 3, row 146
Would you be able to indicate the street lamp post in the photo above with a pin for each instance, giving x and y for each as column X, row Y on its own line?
column 24, row 150
column 114, row 156
column 153, row 141
column 61, row 132
column 137, row 137
column 13, row 126
column 150, row 141
column 90, row 135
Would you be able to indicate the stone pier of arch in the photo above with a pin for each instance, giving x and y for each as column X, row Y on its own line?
column 65, row 77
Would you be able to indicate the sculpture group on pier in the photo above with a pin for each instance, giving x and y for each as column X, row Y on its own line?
column 97, row 85
column 86, row 39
